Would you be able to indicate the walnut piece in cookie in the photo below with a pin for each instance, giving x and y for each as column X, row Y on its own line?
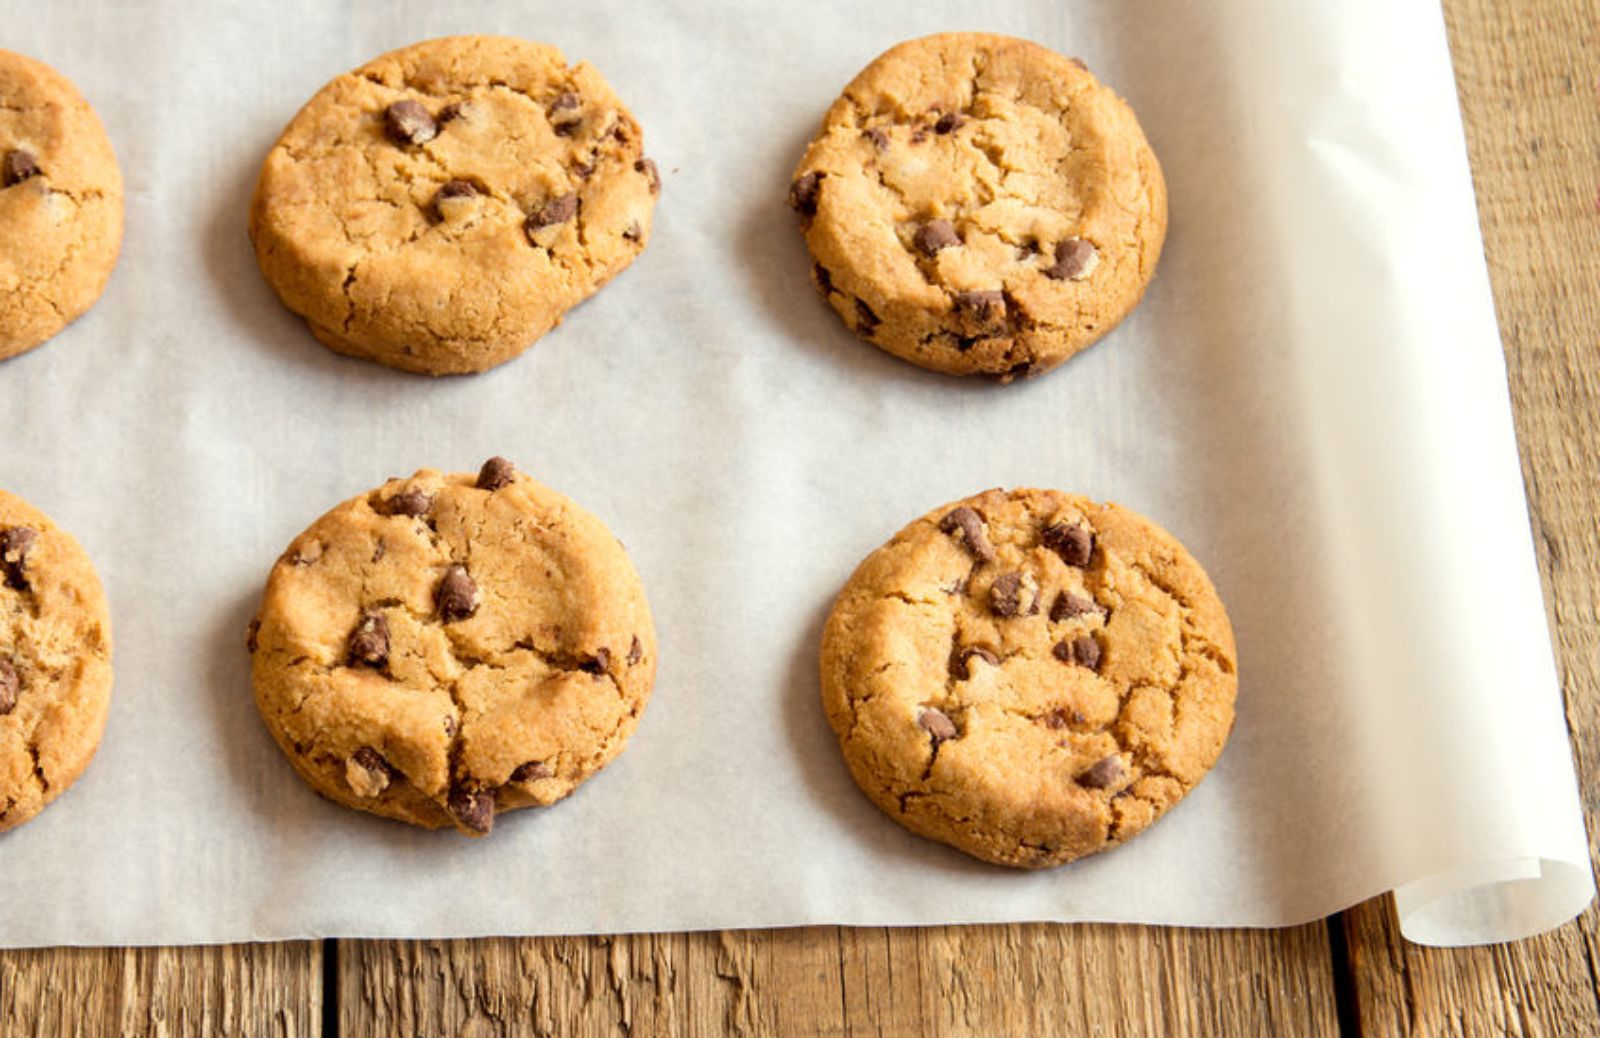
column 475, row 190
column 1027, row 735
column 990, row 202
column 494, row 654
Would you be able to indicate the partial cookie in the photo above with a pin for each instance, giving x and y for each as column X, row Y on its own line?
column 60, row 204
column 443, row 206
column 55, row 661
column 979, row 204
column 447, row 648
column 1029, row 676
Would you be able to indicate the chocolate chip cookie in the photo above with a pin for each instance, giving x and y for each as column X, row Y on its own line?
column 443, row 206
column 1029, row 676
column 979, row 204
column 55, row 661
column 447, row 648
column 60, row 204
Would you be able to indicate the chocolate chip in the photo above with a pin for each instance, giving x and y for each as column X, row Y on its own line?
column 635, row 651
column 1060, row 718
column 1013, row 594
column 936, row 724
column 552, row 213
column 803, row 194
column 651, row 173
column 984, row 308
column 1025, row 369
column 1082, row 650
column 597, row 664
column 452, row 191
column 10, row 685
column 968, row 525
column 565, row 118
column 473, row 809
column 949, row 122
column 1067, row 606
column 373, row 761
column 451, row 112
column 412, row 501
column 367, row 773
column 17, row 166
column 497, row 472
column 866, row 320
column 407, row 122
column 457, row 597
column 823, row 278
column 1075, row 259
column 1102, row 774
column 879, row 139
column 960, row 661
column 557, row 210
column 1079, row 63
column 369, row 642
column 1073, row 543
column 633, row 232
column 534, row 769
column 935, row 235
column 250, row 642
column 15, row 543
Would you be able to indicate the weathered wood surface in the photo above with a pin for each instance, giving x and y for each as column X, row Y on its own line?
column 977, row 980
column 261, row 990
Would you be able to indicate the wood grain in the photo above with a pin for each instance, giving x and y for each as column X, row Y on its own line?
column 979, row 980
column 1526, row 75
column 265, row 990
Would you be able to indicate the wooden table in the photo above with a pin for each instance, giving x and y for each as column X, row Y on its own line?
column 1527, row 80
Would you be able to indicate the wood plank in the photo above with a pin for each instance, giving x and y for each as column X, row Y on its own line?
column 984, row 980
column 1525, row 74
column 265, row 990
column 1537, row 987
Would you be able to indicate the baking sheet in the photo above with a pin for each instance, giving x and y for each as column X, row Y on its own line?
column 1312, row 397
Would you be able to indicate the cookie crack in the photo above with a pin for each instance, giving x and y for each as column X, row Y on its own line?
column 347, row 287
column 904, row 596
column 38, row 769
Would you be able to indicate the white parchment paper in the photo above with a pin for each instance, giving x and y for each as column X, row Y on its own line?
column 1312, row 396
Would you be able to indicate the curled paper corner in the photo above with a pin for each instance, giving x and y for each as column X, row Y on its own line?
column 1491, row 902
